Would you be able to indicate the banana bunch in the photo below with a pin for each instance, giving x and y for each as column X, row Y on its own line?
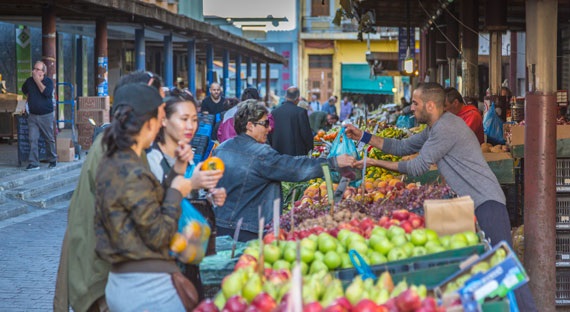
column 393, row 133
column 317, row 181
column 418, row 129
column 377, row 172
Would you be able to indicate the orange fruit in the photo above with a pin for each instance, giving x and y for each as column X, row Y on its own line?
column 193, row 230
column 189, row 254
column 178, row 243
column 213, row 163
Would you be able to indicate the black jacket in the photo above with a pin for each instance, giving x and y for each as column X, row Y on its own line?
column 292, row 134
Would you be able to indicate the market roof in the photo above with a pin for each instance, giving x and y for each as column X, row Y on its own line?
column 130, row 14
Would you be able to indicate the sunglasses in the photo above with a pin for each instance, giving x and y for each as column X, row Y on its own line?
column 264, row 123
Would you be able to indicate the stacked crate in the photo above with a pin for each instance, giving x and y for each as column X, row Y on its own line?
column 96, row 108
column 563, row 231
column 202, row 143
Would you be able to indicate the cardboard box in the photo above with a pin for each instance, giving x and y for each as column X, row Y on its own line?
column 9, row 102
column 99, row 116
column 517, row 133
column 93, row 103
column 65, row 150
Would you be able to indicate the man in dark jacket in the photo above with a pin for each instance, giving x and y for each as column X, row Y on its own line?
column 39, row 93
column 292, row 134
column 214, row 105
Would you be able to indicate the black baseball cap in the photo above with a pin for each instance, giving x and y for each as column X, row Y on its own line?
column 141, row 97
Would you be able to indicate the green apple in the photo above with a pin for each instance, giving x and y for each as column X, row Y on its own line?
column 232, row 284
column 395, row 230
column 220, row 300
column 419, row 251
column 354, row 237
column 332, row 260
column 343, row 235
column 432, row 243
column 313, row 237
column 458, row 237
column 307, row 243
column 307, row 255
column 281, row 264
column 382, row 246
column 253, row 243
column 346, row 263
column 327, row 244
column 471, row 237
column 378, row 230
column 340, row 249
column 253, row 287
column 323, row 236
column 304, row 268
column 397, row 253
column 290, row 255
column 408, row 248
column 431, row 234
column 319, row 256
column 434, row 249
column 317, row 266
column 457, row 244
column 399, row 240
column 359, row 246
column 419, row 237
column 376, row 258
column 445, row 240
column 271, row 253
column 254, row 251
column 482, row 266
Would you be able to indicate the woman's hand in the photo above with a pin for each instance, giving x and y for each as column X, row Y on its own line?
column 206, row 179
column 184, row 186
column 184, row 155
column 353, row 132
column 219, row 195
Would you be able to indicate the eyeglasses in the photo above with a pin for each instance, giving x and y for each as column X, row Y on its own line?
column 40, row 69
column 264, row 123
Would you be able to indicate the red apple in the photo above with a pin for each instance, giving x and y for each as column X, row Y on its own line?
column 252, row 309
column 207, row 306
column 383, row 220
column 264, row 302
column 366, row 305
column 246, row 261
column 390, row 305
column 354, row 222
column 407, row 226
column 401, row 214
column 334, row 232
column 408, row 301
column 343, row 302
column 416, row 221
column 313, row 307
column 235, row 304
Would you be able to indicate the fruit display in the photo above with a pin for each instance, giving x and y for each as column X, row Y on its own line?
column 392, row 133
column 245, row 290
column 489, row 148
column 327, row 136
column 376, row 244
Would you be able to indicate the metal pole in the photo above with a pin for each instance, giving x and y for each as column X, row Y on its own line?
column 248, row 72
column 209, row 67
column 267, row 82
column 101, row 83
column 238, row 75
column 258, row 75
column 226, row 73
column 140, row 54
column 192, row 66
column 168, row 62
column 49, row 42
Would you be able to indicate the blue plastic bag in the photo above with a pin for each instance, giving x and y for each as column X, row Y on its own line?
column 493, row 126
column 406, row 121
column 190, row 243
column 342, row 145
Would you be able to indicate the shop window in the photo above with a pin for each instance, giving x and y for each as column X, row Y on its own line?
column 320, row 61
column 320, row 8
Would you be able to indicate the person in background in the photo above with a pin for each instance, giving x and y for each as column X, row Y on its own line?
column 449, row 143
column 254, row 172
column 39, row 90
column 304, row 105
column 315, row 104
column 329, row 106
column 470, row 114
column 179, row 127
column 322, row 121
column 292, row 134
column 214, row 105
column 82, row 275
column 345, row 109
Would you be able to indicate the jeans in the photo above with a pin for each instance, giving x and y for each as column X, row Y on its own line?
column 41, row 124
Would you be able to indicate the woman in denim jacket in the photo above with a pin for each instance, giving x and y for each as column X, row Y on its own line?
column 254, row 172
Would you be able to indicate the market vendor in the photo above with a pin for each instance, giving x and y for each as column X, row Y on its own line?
column 449, row 143
column 455, row 104
column 254, row 172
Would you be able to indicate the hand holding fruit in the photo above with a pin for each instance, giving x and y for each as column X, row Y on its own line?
column 219, row 194
column 206, row 179
column 353, row 132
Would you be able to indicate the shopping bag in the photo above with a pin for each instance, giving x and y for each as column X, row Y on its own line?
column 406, row 121
column 342, row 145
column 493, row 126
column 190, row 243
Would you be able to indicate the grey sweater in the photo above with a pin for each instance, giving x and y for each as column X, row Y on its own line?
column 451, row 145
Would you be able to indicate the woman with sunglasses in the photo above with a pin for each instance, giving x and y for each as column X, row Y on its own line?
column 254, row 172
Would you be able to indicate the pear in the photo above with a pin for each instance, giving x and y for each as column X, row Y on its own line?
column 355, row 290
column 333, row 291
column 252, row 288
column 233, row 284
column 400, row 287
column 385, row 281
column 220, row 300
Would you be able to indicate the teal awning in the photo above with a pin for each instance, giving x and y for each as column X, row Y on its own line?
column 356, row 79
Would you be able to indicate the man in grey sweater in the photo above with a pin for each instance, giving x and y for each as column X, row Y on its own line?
column 449, row 143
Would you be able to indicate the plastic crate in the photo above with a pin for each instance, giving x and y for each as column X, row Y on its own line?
column 563, row 174
column 563, row 211
column 563, row 287
column 563, row 249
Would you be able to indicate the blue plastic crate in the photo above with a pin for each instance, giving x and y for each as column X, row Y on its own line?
column 204, row 129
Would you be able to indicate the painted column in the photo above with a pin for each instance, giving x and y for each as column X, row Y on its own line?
column 79, row 66
column 24, row 61
column 267, row 83
column 470, row 44
column 192, row 66
column 258, row 75
column 101, row 57
column 49, row 41
column 238, row 75
column 209, row 67
column 540, row 152
column 432, row 64
column 168, row 62
column 248, row 72
column 226, row 72
column 452, row 45
column 140, row 54
column 513, row 64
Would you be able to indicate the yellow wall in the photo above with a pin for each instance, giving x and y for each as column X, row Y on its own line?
column 354, row 51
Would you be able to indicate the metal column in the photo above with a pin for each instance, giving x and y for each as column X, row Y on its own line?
column 209, row 67
column 168, row 62
column 79, row 66
column 495, row 70
column 470, row 44
column 513, row 64
column 258, row 75
column 452, row 46
column 238, row 75
column 248, row 72
column 49, row 42
column 192, row 66
column 226, row 73
column 140, row 54
column 267, row 83
column 101, row 57
column 540, row 152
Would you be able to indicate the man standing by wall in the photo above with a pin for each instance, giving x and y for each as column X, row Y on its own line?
column 292, row 134
column 214, row 105
column 39, row 93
